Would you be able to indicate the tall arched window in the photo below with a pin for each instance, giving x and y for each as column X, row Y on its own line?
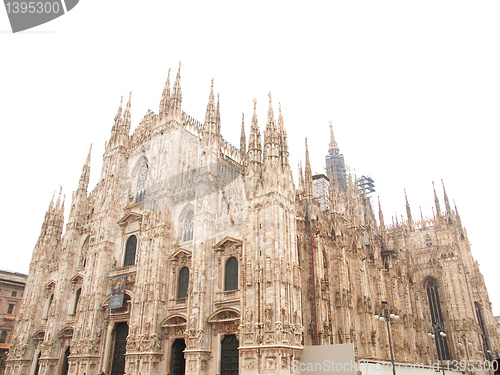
column 77, row 298
column 484, row 338
column 47, row 307
column 3, row 337
column 231, row 274
column 141, row 183
column 130, row 249
column 83, row 254
column 437, row 319
column 187, row 227
column 182, row 290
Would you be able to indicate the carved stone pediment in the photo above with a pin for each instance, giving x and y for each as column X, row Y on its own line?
column 66, row 332
column 131, row 221
column 174, row 321
column 39, row 336
column 224, row 315
column 77, row 280
column 228, row 247
column 181, row 256
column 49, row 287
column 227, row 243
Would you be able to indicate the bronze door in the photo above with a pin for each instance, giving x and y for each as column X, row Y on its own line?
column 64, row 369
column 177, row 360
column 118, row 366
column 229, row 361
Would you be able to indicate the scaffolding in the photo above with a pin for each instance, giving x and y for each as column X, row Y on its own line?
column 335, row 161
column 321, row 190
column 366, row 186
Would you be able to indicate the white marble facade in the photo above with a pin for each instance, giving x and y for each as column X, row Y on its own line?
column 246, row 301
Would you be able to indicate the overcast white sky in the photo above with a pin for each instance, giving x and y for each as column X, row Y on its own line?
column 413, row 89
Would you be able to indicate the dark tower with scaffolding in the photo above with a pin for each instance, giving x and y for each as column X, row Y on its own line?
column 335, row 162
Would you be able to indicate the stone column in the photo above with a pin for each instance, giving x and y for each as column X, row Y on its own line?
column 107, row 347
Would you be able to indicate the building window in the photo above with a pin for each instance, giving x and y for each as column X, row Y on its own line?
column 182, row 291
column 77, row 298
column 83, row 254
column 130, row 249
column 231, row 274
column 10, row 309
column 187, row 227
column 484, row 338
column 437, row 320
column 49, row 303
column 3, row 337
column 428, row 241
column 14, row 294
column 141, row 184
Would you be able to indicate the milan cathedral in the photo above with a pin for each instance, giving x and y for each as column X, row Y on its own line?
column 191, row 256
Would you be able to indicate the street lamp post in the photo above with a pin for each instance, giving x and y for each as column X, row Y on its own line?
column 388, row 318
column 465, row 343
column 436, row 327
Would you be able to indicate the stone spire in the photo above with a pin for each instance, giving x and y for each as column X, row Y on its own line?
column 127, row 116
column 165, row 98
column 308, row 175
column 118, row 118
column 332, row 191
column 283, row 139
column 85, row 175
column 79, row 197
column 436, row 201
column 210, row 115
column 369, row 213
column 254, row 153
column 301, row 178
column 457, row 215
column 59, row 214
column 47, row 218
column 333, row 146
column 217, row 117
column 446, row 201
column 176, row 100
column 243, row 140
column 381, row 216
column 271, row 142
column 408, row 212
column 270, row 114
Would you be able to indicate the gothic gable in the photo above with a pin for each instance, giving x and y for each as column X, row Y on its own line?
column 77, row 280
column 224, row 315
column 130, row 221
column 228, row 247
column 50, row 286
column 174, row 321
column 66, row 332
column 227, row 242
column 181, row 256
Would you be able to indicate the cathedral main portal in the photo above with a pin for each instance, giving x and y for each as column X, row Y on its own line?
column 118, row 367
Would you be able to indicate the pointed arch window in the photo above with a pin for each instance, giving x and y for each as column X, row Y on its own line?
column 77, row 298
column 141, row 183
column 182, row 290
column 437, row 319
column 49, row 303
column 83, row 255
column 3, row 337
column 231, row 274
column 130, row 250
column 187, row 226
column 484, row 338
